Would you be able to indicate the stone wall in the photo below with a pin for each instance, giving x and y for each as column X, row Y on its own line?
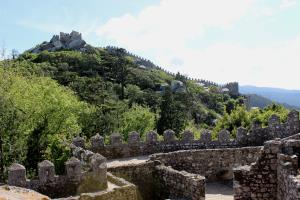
column 214, row 164
column 78, row 178
column 156, row 181
column 258, row 181
column 136, row 147
column 121, row 190
column 143, row 176
column 180, row 184
column 288, row 185
column 273, row 175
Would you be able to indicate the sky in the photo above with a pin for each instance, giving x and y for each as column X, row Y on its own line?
column 254, row 42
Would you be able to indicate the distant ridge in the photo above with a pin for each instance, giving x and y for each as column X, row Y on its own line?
column 283, row 96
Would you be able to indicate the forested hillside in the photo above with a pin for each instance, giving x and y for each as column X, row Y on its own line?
column 46, row 98
column 283, row 96
column 254, row 100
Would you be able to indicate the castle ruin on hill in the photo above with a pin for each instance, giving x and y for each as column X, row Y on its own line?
column 263, row 164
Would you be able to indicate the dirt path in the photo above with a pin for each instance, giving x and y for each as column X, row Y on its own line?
column 127, row 161
column 218, row 191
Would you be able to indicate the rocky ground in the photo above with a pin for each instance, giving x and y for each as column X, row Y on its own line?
column 16, row 193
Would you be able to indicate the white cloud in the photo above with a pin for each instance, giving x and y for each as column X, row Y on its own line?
column 164, row 32
column 287, row 3
column 268, row 11
column 173, row 22
column 272, row 66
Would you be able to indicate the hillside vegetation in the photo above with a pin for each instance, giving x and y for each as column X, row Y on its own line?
column 49, row 97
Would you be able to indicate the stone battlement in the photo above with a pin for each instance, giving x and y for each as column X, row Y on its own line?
column 79, row 178
column 136, row 147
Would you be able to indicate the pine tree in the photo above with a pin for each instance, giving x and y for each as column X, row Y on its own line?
column 172, row 114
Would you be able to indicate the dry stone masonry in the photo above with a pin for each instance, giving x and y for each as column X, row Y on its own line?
column 177, row 169
column 118, row 148
column 75, row 181
column 275, row 175
column 214, row 164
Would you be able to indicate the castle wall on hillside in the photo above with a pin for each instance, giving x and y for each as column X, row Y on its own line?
column 136, row 147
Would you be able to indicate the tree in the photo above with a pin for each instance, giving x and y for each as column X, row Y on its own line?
column 14, row 54
column 10, row 119
column 121, row 70
column 172, row 113
column 137, row 118
column 34, row 110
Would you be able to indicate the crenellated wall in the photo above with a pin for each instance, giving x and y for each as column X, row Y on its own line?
column 136, row 147
column 178, row 168
column 75, row 181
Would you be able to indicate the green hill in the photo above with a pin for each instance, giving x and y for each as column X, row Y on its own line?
column 58, row 90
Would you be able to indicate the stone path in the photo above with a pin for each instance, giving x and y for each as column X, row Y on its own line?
column 218, row 191
column 127, row 161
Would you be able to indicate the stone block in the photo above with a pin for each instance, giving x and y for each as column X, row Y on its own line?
column 73, row 169
column 97, row 141
column 224, row 136
column 205, row 136
column 151, row 137
column 169, row 136
column 17, row 175
column 46, row 172
column 116, row 139
column 79, row 142
column 187, row 136
column 133, row 138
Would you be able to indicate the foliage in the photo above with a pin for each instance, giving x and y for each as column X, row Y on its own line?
column 47, row 98
column 172, row 114
column 241, row 117
column 137, row 118
column 41, row 110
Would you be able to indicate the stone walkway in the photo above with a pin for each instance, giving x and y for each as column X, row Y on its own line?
column 127, row 161
column 218, row 191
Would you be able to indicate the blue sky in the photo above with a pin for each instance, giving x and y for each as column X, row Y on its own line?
column 254, row 42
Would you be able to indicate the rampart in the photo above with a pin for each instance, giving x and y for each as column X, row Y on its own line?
column 136, row 147
column 78, row 179
column 180, row 168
